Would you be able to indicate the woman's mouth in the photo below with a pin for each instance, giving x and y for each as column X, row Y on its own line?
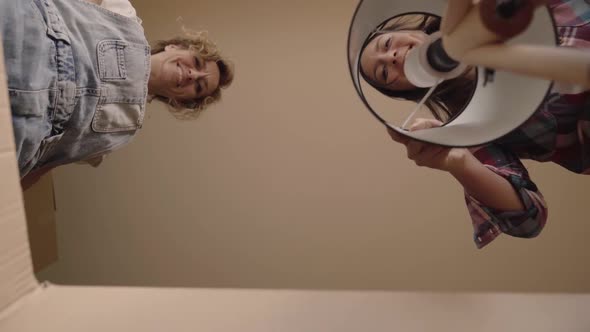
column 403, row 58
column 179, row 76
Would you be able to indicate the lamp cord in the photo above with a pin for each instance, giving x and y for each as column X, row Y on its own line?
column 417, row 108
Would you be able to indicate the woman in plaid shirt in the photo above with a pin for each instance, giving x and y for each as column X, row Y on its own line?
column 500, row 196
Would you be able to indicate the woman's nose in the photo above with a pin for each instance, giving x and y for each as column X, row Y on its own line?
column 193, row 75
column 393, row 56
column 390, row 57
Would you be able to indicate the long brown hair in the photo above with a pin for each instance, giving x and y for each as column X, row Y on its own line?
column 450, row 97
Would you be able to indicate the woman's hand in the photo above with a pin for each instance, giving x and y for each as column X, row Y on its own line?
column 480, row 182
column 455, row 12
column 430, row 155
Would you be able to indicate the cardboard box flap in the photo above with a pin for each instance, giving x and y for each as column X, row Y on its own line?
column 16, row 270
column 99, row 309
column 39, row 201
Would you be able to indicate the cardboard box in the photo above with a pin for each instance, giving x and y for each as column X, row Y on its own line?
column 40, row 209
column 27, row 305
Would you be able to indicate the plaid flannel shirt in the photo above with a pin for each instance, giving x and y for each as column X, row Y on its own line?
column 558, row 132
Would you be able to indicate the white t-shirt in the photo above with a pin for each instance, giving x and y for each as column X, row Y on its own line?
column 121, row 7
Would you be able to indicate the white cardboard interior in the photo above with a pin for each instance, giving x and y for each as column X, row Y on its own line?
column 29, row 306
column 16, row 269
column 496, row 108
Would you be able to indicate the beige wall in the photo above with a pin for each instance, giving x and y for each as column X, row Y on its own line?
column 290, row 183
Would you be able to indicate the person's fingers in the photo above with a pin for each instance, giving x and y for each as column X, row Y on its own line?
column 418, row 124
column 429, row 151
column 454, row 13
column 425, row 124
column 414, row 148
column 436, row 123
column 440, row 156
column 432, row 151
column 394, row 134
column 431, row 156
column 397, row 136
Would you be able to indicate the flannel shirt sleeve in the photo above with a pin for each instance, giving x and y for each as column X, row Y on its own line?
column 489, row 223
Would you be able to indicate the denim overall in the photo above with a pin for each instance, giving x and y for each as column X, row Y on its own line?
column 77, row 79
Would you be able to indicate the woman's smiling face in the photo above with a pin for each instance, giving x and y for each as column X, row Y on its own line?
column 182, row 75
column 382, row 60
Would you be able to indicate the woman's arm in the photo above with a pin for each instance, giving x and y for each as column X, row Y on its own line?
column 499, row 194
column 483, row 184
column 479, row 181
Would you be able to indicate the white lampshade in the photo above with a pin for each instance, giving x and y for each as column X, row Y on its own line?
column 494, row 110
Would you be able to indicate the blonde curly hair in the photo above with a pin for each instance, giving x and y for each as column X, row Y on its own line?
column 199, row 42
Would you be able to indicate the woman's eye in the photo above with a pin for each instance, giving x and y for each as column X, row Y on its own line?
column 388, row 43
column 198, row 62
